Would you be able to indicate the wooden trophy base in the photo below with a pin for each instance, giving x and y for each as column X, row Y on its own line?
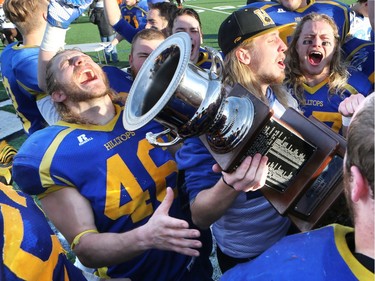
column 305, row 161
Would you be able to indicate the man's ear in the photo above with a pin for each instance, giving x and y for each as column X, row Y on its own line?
column 243, row 55
column 359, row 184
column 58, row 96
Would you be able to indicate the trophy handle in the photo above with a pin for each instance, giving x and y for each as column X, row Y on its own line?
column 152, row 138
column 216, row 70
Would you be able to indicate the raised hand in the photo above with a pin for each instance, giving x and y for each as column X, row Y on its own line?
column 167, row 233
column 61, row 13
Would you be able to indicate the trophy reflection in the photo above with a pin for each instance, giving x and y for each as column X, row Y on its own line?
column 305, row 156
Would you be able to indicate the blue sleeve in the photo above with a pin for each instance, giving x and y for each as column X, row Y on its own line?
column 195, row 159
column 360, row 82
column 126, row 30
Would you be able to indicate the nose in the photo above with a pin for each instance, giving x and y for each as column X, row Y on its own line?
column 317, row 41
column 283, row 47
column 77, row 60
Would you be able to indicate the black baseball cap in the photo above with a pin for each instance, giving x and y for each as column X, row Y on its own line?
column 245, row 24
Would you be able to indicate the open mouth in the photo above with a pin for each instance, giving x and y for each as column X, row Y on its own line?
column 315, row 57
column 281, row 63
column 87, row 76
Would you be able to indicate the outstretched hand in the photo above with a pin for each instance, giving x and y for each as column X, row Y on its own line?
column 249, row 176
column 61, row 13
column 171, row 234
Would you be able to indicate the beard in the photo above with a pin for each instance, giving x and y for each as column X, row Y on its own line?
column 79, row 94
column 76, row 95
column 273, row 79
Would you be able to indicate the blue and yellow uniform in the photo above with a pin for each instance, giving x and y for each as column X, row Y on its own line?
column 322, row 254
column 19, row 65
column 324, row 106
column 338, row 11
column 360, row 54
column 133, row 20
column 125, row 180
column 30, row 249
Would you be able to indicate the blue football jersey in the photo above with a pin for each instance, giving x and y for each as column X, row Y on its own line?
column 324, row 106
column 135, row 15
column 360, row 54
column 119, row 172
column 321, row 254
column 30, row 249
column 19, row 67
column 134, row 19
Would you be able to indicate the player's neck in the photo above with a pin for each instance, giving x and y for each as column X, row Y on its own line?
column 315, row 79
column 364, row 238
column 33, row 39
column 96, row 111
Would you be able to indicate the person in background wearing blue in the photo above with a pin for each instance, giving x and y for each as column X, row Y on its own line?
column 334, row 252
column 19, row 64
column 316, row 74
column 126, row 19
column 360, row 53
column 107, row 33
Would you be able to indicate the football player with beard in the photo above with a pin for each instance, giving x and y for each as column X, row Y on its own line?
column 119, row 211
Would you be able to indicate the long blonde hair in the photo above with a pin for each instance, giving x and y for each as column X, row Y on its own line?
column 338, row 69
column 237, row 72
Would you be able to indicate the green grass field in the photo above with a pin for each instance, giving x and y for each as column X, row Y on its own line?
column 212, row 13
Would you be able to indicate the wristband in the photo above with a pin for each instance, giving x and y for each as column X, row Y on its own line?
column 54, row 39
column 79, row 236
column 346, row 120
column 231, row 186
